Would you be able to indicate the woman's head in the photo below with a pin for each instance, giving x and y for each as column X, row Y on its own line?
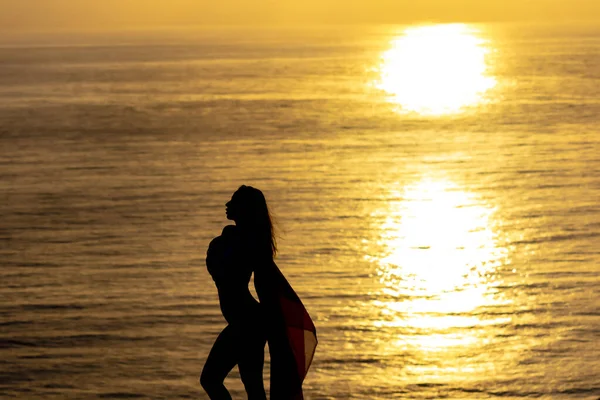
column 248, row 208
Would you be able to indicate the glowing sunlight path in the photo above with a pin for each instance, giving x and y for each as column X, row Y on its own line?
column 442, row 253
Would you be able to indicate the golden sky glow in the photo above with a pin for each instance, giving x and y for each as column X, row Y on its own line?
column 109, row 14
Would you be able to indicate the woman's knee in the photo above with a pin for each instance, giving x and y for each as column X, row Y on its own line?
column 252, row 378
column 256, row 392
column 204, row 380
column 209, row 380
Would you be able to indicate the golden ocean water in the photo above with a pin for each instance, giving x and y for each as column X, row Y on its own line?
column 435, row 187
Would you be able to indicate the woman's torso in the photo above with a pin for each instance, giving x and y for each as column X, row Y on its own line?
column 231, row 265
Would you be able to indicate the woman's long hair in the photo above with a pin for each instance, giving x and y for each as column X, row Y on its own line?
column 255, row 219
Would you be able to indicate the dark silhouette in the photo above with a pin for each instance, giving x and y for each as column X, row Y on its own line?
column 243, row 249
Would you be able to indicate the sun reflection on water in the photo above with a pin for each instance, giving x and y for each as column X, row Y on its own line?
column 436, row 70
column 440, row 257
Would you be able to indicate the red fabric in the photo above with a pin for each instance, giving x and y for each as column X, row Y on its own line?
column 296, row 338
column 289, row 326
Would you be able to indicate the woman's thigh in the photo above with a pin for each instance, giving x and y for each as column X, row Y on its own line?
column 223, row 356
column 251, row 361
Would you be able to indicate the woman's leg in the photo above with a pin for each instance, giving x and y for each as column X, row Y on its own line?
column 251, row 365
column 221, row 360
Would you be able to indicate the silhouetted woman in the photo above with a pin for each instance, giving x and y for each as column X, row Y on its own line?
column 280, row 317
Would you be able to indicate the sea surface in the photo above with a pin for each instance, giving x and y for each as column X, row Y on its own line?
column 436, row 192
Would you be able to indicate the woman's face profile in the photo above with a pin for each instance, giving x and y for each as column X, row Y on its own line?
column 232, row 207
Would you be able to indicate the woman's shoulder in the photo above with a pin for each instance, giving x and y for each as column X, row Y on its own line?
column 228, row 233
column 229, row 230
